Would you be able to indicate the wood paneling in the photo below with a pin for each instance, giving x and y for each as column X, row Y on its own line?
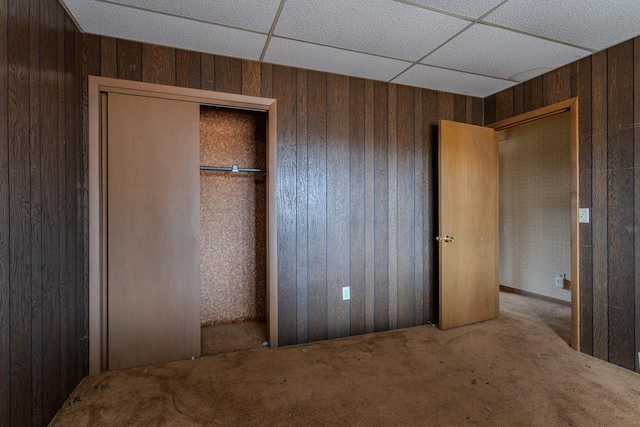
column 188, row 69
column 608, row 88
column 129, row 60
column 41, row 235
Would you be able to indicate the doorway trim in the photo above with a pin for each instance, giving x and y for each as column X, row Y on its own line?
column 97, row 90
column 570, row 106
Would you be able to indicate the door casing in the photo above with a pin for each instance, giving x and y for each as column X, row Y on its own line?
column 97, row 90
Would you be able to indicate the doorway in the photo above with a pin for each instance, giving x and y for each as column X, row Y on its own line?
column 99, row 214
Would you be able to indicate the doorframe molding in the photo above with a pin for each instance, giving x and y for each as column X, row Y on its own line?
column 98, row 87
column 570, row 106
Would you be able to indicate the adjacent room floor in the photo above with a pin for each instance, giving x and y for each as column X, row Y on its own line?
column 515, row 370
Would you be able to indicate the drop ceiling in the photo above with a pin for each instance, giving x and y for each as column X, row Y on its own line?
column 470, row 47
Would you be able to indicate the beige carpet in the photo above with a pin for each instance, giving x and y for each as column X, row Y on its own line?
column 516, row 370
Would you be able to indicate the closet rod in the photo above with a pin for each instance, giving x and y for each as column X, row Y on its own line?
column 233, row 168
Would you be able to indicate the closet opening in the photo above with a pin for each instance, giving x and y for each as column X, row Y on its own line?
column 233, row 229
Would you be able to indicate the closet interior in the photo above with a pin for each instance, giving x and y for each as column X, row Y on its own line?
column 233, row 227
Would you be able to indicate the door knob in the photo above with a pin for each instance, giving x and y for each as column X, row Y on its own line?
column 446, row 239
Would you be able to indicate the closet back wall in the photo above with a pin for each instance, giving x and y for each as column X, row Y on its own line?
column 355, row 183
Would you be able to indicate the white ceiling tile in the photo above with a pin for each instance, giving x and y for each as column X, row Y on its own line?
column 322, row 58
column 256, row 15
column 379, row 27
column 134, row 24
column 452, row 81
column 495, row 52
column 472, row 9
column 593, row 24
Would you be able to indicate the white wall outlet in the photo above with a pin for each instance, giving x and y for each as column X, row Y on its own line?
column 583, row 215
column 346, row 293
column 560, row 281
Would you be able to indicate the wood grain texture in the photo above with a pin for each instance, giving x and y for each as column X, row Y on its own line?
column 208, row 71
column 5, row 289
column 490, row 110
column 108, row 57
column 285, row 92
column 392, row 194
column 158, row 64
column 406, row 206
column 302, row 206
column 19, row 220
column 599, row 207
column 35, row 151
column 228, row 74
column 381, row 203
column 636, row 157
column 188, row 69
column 369, row 209
column 357, row 204
column 533, row 94
column 460, row 108
column 504, row 104
column 338, row 196
column 518, row 100
column 251, row 81
column 620, row 150
column 583, row 77
column 556, row 85
column 317, row 204
column 418, row 155
column 129, row 60
column 429, row 204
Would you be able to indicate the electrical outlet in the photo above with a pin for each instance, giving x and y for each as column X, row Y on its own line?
column 560, row 281
column 583, row 215
column 346, row 293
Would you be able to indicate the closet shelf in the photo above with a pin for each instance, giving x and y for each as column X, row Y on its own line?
column 233, row 168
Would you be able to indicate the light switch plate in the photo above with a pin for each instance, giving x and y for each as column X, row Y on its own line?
column 346, row 293
column 584, row 215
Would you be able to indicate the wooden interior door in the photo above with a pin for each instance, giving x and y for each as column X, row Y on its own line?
column 153, row 200
column 468, row 229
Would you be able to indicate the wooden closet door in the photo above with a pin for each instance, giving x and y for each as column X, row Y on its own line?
column 153, row 230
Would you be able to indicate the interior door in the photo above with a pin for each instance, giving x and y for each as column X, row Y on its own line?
column 153, row 210
column 468, row 229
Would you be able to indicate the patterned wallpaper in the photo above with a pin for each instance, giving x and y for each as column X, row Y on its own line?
column 535, row 239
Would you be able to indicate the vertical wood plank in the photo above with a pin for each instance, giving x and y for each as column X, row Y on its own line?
column 478, row 111
column 108, row 57
column 429, row 202
column 518, row 100
column 129, row 60
column 228, row 73
column 188, row 69
column 357, row 203
column 621, row 203
column 490, row 110
column 285, row 92
column 302, row 208
column 338, row 311
column 5, row 308
column 35, row 150
column 445, row 106
column 469, row 116
column 251, row 82
column 369, row 172
column 266, row 80
column 381, row 203
column 317, row 203
column 208, row 71
column 19, row 226
column 50, row 213
column 556, row 85
column 504, row 104
column 636, row 169
column 586, row 244
column 418, row 156
column 406, row 204
column 158, row 64
column 393, row 205
column 460, row 108
column 533, row 98
column 599, row 210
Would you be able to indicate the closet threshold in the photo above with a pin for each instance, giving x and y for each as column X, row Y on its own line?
column 233, row 168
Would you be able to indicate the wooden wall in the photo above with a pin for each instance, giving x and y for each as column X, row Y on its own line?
column 355, row 183
column 43, row 352
column 608, row 87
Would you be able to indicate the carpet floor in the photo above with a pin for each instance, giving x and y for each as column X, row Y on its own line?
column 516, row 370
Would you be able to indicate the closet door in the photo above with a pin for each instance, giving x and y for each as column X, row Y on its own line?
column 153, row 230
